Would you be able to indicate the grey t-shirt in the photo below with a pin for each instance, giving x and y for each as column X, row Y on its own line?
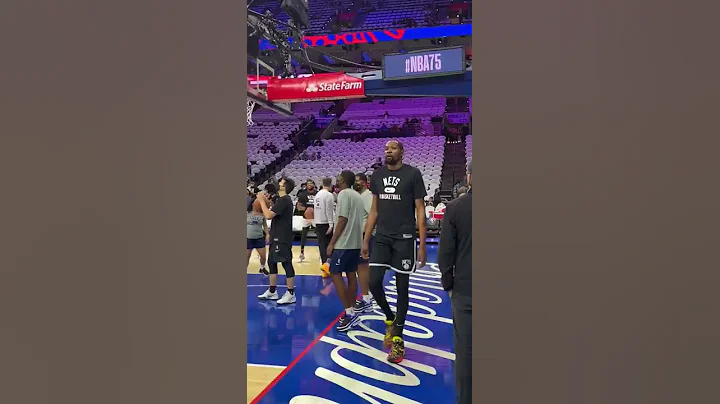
column 350, row 206
column 367, row 198
column 255, row 226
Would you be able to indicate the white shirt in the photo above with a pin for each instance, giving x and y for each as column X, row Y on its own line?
column 324, row 208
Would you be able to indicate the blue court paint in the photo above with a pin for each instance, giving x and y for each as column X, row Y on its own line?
column 278, row 334
column 352, row 367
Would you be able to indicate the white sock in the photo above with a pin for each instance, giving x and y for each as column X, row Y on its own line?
column 366, row 298
column 350, row 311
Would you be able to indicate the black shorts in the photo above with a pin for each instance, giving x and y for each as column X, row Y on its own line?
column 344, row 261
column 279, row 252
column 256, row 243
column 398, row 254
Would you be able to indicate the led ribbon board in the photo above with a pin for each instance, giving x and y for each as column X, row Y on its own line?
column 387, row 35
column 427, row 63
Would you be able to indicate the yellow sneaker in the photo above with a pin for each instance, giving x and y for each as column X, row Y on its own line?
column 387, row 342
column 397, row 353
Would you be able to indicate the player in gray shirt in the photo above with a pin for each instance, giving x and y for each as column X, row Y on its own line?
column 345, row 245
column 364, row 304
column 257, row 235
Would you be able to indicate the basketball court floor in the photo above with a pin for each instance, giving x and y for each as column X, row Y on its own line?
column 295, row 354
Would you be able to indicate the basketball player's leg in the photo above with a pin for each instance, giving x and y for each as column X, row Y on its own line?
column 271, row 293
column 324, row 234
column 250, row 247
column 404, row 256
column 364, row 304
column 259, row 246
column 345, row 261
column 303, row 239
column 285, row 254
column 380, row 262
column 262, row 252
column 352, row 291
column 275, row 256
column 402, row 283
column 404, row 259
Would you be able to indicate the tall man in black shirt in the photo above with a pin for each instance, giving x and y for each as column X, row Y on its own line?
column 398, row 198
column 281, row 236
column 306, row 199
column 455, row 262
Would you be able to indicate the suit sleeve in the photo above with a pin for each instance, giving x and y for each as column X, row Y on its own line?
column 447, row 249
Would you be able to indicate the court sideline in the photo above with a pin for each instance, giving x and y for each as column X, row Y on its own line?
column 295, row 355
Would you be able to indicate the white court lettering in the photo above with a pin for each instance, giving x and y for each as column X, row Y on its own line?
column 361, row 389
column 412, row 330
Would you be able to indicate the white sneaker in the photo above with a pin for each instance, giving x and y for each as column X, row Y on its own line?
column 268, row 295
column 302, row 257
column 288, row 298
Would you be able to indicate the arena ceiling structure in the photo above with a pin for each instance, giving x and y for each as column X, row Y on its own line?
column 438, row 59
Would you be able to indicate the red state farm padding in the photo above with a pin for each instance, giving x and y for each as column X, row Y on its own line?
column 318, row 87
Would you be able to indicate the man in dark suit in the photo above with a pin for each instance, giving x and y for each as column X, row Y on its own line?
column 455, row 262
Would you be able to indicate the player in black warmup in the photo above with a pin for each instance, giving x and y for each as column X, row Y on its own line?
column 306, row 199
column 281, row 236
column 398, row 198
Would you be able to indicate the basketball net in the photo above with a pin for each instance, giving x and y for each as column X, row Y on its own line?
column 250, row 108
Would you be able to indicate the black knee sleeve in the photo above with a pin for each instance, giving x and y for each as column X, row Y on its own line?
column 377, row 275
column 303, row 237
column 402, row 282
column 289, row 270
column 273, row 268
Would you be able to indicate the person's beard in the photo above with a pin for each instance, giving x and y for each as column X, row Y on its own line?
column 390, row 160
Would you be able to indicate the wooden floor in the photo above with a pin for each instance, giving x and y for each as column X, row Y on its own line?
column 258, row 377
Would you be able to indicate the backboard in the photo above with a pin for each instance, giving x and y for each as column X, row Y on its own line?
column 257, row 93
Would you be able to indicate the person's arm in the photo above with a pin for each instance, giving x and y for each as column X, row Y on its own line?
column 371, row 220
column 300, row 204
column 329, row 201
column 267, row 212
column 343, row 213
column 421, row 220
column 372, row 215
column 265, row 229
column 447, row 249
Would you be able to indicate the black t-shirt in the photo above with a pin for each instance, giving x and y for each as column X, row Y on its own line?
column 396, row 192
column 306, row 199
column 281, row 225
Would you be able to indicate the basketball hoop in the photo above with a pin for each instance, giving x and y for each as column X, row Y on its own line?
column 250, row 108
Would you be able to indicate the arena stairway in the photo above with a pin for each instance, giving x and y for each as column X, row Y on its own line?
column 453, row 169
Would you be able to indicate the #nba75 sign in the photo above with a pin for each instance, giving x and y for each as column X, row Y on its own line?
column 427, row 63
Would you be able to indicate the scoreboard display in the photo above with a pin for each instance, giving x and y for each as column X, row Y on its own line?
column 426, row 63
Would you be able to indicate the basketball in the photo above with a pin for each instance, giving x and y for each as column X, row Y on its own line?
column 256, row 206
column 309, row 213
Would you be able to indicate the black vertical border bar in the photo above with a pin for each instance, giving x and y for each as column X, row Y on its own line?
column 122, row 272
column 595, row 183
